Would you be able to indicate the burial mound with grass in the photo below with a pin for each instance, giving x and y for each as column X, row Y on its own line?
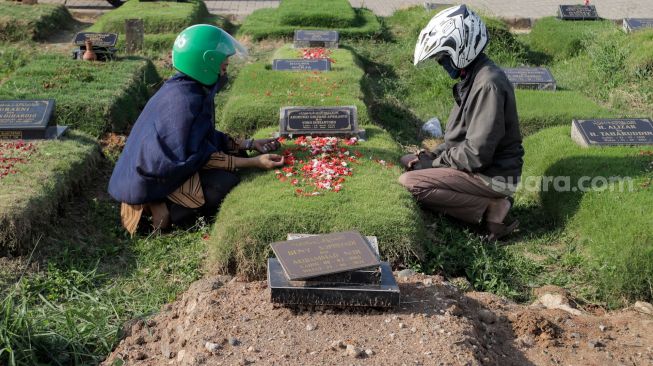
column 311, row 194
column 93, row 97
column 311, row 14
column 35, row 177
column 162, row 21
column 19, row 22
column 258, row 92
column 603, row 201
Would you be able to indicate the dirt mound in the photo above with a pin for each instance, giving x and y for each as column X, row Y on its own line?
column 221, row 321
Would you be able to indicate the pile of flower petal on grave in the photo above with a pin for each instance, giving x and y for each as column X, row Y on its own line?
column 13, row 153
column 319, row 164
column 315, row 53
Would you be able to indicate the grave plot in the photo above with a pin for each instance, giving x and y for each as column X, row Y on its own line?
column 162, row 21
column 602, row 197
column 19, row 22
column 12, row 57
column 92, row 97
column 259, row 91
column 158, row 17
column 325, row 187
column 35, row 176
column 266, row 206
column 314, row 14
column 561, row 39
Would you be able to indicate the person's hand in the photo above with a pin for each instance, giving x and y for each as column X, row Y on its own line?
column 409, row 160
column 223, row 67
column 266, row 145
column 269, row 161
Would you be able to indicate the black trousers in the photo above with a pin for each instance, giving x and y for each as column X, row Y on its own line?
column 216, row 184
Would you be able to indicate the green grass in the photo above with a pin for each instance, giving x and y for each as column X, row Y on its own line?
column 262, row 210
column 92, row 97
column 258, row 92
column 265, row 23
column 13, row 56
column 20, row 22
column 563, row 39
column 92, row 279
column 317, row 13
column 541, row 109
column 30, row 198
column 158, row 17
column 611, row 227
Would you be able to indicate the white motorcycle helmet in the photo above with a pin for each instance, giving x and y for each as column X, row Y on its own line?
column 457, row 32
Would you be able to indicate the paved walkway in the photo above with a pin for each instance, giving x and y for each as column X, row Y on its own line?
column 610, row 9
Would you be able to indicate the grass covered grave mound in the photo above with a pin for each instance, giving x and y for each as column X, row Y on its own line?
column 20, row 22
column 563, row 39
column 267, row 23
column 34, row 178
column 317, row 13
column 158, row 17
column 611, row 222
column 258, row 92
column 305, row 197
column 94, row 97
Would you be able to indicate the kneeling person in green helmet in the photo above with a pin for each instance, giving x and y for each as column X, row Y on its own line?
column 176, row 165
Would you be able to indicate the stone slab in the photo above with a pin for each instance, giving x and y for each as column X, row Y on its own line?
column 321, row 121
column 370, row 275
column 284, row 291
column 99, row 39
column 538, row 78
column 635, row 24
column 612, row 132
column 316, row 38
column 313, row 256
column 578, row 12
column 28, row 119
column 318, row 64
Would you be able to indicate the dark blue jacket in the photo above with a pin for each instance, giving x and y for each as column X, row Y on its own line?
column 172, row 139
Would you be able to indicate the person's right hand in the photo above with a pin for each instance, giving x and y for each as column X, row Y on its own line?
column 409, row 160
column 269, row 161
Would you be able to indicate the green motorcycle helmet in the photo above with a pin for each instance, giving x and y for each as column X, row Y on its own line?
column 200, row 50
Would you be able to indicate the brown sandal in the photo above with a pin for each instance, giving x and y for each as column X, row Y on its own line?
column 498, row 231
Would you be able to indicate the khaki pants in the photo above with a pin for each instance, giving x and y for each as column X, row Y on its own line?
column 450, row 191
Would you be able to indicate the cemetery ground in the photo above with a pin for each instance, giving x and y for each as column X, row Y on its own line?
column 80, row 284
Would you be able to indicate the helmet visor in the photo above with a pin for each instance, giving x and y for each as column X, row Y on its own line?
column 236, row 48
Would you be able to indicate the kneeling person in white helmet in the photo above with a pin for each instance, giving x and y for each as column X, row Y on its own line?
column 176, row 165
column 473, row 174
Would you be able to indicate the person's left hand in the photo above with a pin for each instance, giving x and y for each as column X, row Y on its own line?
column 264, row 146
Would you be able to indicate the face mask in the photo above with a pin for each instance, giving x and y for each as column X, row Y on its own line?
column 447, row 64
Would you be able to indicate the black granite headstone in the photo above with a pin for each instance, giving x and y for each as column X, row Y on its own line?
column 103, row 45
column 577, row 12
column 607, row 132
column 370, row 275
column 28, row 119
column 538, row 78
column 98, row 39
column 283, row 291
column 634, row 24
column 319, row 121
column 316, row 38
column 321, row 255
column 318, row 64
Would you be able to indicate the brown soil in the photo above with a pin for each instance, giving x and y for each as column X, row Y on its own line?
column 221, row 321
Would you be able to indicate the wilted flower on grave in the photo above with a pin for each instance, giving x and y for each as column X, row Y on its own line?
column 13, row 153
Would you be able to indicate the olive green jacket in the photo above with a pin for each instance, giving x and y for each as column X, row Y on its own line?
column 482, row 134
